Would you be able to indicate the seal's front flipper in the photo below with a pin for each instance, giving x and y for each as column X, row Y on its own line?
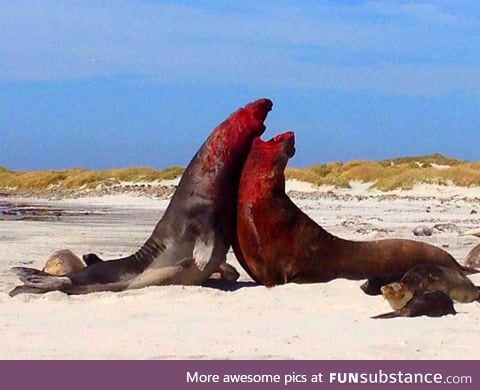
column 202, row 252
column 91, row 258
column 392, row 314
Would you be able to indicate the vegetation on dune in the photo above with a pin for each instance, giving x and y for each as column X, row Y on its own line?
column 385, row 175
column 82, row 178
column 390, row 174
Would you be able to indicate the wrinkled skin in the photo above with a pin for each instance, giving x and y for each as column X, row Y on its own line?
column 277, row 243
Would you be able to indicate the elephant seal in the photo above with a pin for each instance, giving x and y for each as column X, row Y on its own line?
column 431, row 304
column 63, row 262
column 473, row 257
column 426, row 278
column 277, row 243
column 192, row 238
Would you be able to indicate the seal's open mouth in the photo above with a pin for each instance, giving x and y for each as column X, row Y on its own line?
column 288, row 140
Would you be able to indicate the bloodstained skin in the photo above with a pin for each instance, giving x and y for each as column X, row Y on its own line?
column 277, row 243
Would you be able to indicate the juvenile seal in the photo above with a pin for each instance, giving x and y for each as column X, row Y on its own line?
column 277, row 243
column 193, row 236
column 431, row 304
column 426, row 278
column 63, row 262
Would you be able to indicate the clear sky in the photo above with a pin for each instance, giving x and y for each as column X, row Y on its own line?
column 142, row 82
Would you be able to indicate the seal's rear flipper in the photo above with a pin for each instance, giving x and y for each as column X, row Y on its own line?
column 26, row 290
column 32, row 277
column 392, row 314
column 25, row 271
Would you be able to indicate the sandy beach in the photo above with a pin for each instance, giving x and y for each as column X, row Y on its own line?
column 230, row 321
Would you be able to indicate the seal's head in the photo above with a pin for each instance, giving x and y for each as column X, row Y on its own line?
column 234, row 135
column 264, row 169
column 397, row 294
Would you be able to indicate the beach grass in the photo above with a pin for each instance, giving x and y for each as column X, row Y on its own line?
column 82, row 178
column 385, row 175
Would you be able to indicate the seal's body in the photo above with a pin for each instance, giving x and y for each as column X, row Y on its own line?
column 63, row 262
column 277, row 243
column 193, row 236
column 426, row 278
column 431, row 304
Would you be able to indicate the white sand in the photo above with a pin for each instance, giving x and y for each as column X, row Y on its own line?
column 317, row 321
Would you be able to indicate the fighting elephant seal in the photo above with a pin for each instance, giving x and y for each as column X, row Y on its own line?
column 277, row 243
column 426, row 278
column 63, row 262
column 193, row 236
column 431, row 304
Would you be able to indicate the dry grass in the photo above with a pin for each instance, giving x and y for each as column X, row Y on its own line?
column 390, row 174
column 81, row 177
column 385, row 175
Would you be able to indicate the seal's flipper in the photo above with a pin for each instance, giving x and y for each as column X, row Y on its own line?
column 38, row 279
column 26, row 290
column 392, row 314
column 26, row 271
column 202, row 253
column 91, row 258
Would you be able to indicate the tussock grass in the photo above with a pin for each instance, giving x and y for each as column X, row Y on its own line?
column 391, row 174
column 385, row 175
column 81, row 177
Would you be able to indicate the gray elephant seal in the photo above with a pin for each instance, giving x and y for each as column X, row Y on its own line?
column 426, row 278
column 63, row 262
column 193, row 236
column 473, row 258
column 431, row 304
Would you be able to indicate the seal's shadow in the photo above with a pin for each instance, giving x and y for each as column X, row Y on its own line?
column 226, row 285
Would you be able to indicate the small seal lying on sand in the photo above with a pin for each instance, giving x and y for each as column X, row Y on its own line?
column 277, row 243
column 426, row 278
column 473, row 258
column 431, row 304
column 193, row 236
column 63, row 262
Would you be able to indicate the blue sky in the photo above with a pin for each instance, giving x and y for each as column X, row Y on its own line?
column 142, row 82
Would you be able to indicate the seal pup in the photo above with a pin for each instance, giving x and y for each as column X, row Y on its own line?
column 426, row 278
column 277, row 243
column 431, row 304
column 193, row 236
column 63, row 262
column 473, row 257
